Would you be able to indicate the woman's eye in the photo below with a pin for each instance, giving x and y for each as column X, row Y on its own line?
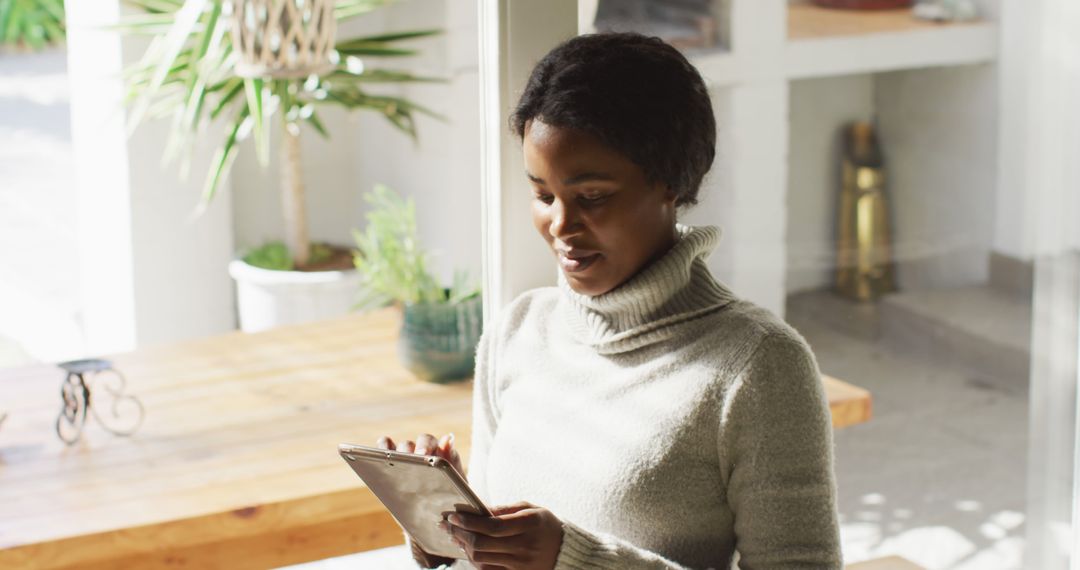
column 594, row 199
column 545, row 198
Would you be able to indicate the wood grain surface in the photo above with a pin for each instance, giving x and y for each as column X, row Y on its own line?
column 236, row 464
column 806, row 21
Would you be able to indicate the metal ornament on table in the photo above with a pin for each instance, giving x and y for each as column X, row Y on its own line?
column 77, row 403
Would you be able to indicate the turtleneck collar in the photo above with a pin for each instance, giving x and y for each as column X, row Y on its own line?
column 643, row 310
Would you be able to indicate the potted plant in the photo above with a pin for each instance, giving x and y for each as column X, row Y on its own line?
column 440, row 326
column 211, row 60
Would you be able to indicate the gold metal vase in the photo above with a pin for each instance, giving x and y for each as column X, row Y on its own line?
column 865, row 269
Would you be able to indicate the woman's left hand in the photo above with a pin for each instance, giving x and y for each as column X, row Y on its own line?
column 521, row 536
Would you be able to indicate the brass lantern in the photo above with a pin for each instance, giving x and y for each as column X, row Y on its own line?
column 283, row 38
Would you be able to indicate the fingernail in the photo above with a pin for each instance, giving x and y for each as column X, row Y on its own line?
column 421, row 451
column 451, row 438
column 455, row 519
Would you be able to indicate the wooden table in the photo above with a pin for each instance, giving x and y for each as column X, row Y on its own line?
column 235, row 465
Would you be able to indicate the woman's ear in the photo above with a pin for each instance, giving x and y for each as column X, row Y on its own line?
column 669, row 194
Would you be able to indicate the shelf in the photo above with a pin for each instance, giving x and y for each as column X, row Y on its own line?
column 807, row 21
column 824, row 42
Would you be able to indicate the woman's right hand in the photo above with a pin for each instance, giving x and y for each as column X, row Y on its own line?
column 426, row 444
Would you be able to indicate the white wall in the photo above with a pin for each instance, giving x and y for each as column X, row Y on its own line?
column 182, row 288
column 441, row 172
column 716, row 199
column 938, row 131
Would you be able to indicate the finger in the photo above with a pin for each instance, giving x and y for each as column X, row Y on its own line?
column 474, row 543
column 386, row 443
column 407, row 447
column 494, row 560
column 425, row 444
column 489, row 526
column 511, row 509
column 446, row 447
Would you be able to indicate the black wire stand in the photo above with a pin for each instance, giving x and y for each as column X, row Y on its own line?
column 125, row 412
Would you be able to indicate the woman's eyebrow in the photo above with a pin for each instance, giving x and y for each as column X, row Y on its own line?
column 578, row 179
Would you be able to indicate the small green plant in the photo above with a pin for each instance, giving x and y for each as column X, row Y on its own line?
column 391, row 260
column 275, row 255
column 31, row 23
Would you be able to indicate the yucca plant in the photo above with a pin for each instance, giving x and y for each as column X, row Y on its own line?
column 31, row 24
column 188, row 74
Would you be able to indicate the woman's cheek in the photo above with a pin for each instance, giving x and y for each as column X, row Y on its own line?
column 540, row 219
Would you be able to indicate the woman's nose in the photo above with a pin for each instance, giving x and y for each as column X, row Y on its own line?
column 563, row 219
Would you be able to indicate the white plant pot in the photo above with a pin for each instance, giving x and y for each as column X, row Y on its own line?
column 266, row 298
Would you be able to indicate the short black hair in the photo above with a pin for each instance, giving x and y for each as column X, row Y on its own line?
column 635, row 93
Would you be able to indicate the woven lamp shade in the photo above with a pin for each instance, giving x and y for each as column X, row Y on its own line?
column 283, row 38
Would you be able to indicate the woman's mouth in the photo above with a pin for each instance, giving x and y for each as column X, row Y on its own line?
column 577, row 262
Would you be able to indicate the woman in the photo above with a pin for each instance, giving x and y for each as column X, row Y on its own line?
column 639, row 415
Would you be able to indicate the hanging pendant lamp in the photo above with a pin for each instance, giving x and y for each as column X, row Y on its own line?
column 283, row 38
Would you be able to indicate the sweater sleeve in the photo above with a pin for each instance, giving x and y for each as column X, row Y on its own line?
column 776, row 454
column 583, row 549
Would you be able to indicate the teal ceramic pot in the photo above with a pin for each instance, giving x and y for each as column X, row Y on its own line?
column 438, row 340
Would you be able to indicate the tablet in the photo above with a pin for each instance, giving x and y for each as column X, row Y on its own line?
column 418, row 490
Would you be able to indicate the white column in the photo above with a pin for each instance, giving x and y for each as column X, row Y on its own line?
column 1038, row 200
column 1037, row 166
column 104, row 251
column 149, row 272
column 1051, row 531
column 514, row 35
column 756, row 223
column 749, row 176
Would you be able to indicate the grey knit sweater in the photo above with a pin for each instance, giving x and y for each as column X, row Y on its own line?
column 667, row 423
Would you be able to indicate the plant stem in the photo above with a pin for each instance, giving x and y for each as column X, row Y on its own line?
column 292, row 197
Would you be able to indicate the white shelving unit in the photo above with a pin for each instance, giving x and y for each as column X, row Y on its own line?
column 825, row 42
column 822, row 42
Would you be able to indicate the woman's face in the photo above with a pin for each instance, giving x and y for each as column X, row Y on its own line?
column 603, row 221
